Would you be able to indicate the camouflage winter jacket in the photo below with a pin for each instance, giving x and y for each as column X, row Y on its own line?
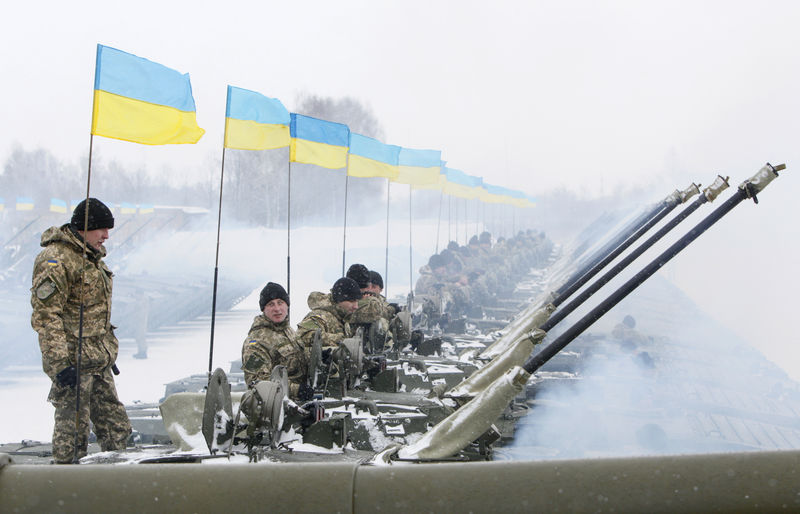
column 332, row 321
column 270, row 344
column 370, row 309
column 56, row 300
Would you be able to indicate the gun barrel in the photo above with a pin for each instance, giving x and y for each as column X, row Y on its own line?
column 710, row 193
column 748, row 189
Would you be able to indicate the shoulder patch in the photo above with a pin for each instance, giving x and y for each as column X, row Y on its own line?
column 52, row 262
column 252, row 342
column 45, row 289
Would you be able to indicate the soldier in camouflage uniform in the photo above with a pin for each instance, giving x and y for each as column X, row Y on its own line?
column 397, row 330
column 64, row 278
column 272, row 342
column 370, row 308
column 330, row 313
column 431, row 275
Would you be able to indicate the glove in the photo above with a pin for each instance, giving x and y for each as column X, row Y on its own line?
column 67, row 377
column 305, row 392
column 114, row 369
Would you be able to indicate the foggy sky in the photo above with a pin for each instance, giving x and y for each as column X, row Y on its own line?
column 529, row 95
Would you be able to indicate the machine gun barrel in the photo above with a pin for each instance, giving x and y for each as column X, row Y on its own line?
column 591, row 261
column 748, row 189
column 543, row 307
column 463, row 426
column 709, row 194
column 667, row 206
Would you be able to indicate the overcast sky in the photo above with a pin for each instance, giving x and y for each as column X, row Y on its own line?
column 530, row 95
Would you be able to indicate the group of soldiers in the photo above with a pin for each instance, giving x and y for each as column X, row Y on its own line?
column 71, row 300
column 354, row 300
column 461, row 281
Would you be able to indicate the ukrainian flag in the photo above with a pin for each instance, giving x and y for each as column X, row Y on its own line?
column 254, row 121
column 2, row 204
column 57, row 205
column 457, row 183
column 319, row 142
column 127, row 208
column 419, row 167
column 24, row 203
column 146, row 208
column 517, row 199
column 142, row 101
column 369, row 157
column 498, row 194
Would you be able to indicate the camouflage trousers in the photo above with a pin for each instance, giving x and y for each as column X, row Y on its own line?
column 100, row 405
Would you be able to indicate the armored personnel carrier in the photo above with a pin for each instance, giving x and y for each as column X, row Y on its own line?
column 362, row 419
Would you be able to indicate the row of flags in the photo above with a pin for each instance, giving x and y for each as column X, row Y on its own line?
column 145, row 102
column 60, row 206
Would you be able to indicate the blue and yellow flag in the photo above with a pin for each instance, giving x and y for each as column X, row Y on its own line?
column 497, row 194
column 457, row 183
column 419, row 167
column 142, row 101
column 2, row 204
column 24, row 203
column 57, row 205
column 127, row 208
column 146, row 208
column 319, row 142
column 370, row 158
column 254, row 121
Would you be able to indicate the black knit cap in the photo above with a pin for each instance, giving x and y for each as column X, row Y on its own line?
column 99, row 216
column 344, row 290
column 436, row 261
column 271, row 292
column 486, row 238
column 360, row 274
column 375, row 279
column 473, row 240
column 452, row 246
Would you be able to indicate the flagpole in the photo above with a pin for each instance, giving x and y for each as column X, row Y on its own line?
column 477, row 217
column 216, row 268
column 410, row 256
column 513, row 220
column 466, row 224
column 344, row 229
column 289, row 230
column 439, row 220
column 386, row 262
column 449, row 216
column 79, row 349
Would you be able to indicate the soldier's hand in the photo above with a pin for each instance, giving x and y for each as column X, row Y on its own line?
column 395, row 306
column 67, row 377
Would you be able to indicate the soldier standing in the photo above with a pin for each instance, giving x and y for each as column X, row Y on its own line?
column 272, row 342
column 71, row 280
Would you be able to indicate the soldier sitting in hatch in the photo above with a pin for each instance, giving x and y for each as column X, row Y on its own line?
column 330, row 313
column 272, row 342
